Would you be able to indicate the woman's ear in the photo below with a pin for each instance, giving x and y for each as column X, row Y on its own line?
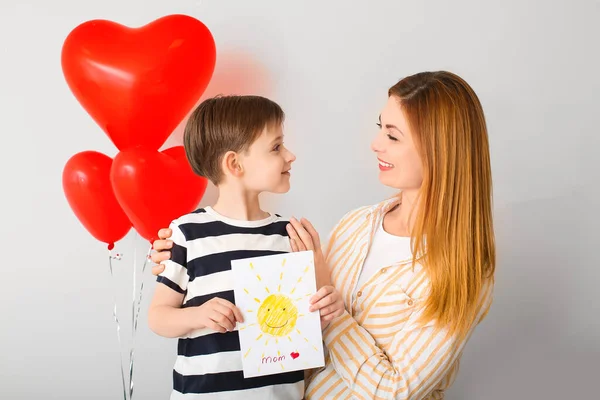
column 231, row 164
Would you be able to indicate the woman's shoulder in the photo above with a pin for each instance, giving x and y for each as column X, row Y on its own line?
column 369, row 210
column 357, row 218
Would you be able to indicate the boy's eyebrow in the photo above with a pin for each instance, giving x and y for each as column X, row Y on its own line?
column 277, row 139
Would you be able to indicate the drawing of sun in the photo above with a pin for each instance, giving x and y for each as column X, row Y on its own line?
column 276, row 315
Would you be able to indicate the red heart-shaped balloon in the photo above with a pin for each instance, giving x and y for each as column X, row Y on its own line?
column 139, row 83
column 155, row 188
column 86, row 183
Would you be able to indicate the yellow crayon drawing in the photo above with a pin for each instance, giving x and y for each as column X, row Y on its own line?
column 275, row 315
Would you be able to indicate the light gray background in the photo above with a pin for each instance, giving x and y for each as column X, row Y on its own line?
column 534, row 65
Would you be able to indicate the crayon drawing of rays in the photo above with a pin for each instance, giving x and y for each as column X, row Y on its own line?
column 276, row 314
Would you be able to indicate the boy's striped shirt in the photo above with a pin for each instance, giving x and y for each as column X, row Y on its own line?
column 209, row 364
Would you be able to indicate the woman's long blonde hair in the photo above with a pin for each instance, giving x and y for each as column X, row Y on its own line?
column 453, row 233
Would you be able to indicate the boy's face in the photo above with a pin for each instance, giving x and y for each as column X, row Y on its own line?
column 267, row 163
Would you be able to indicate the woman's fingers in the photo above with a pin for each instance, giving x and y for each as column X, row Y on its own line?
column 324, row 297
column 161, row 245
column 295, row 238
column 159, row 257
column 329, row 302
column 333, row 315
column 312, row 232
column 321, row 293
column 165, row 233
column 303, row 235
column 294, row 246
column 334, row 309
column 157, row 269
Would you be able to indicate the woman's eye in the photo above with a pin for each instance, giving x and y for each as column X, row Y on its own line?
column 392, row 138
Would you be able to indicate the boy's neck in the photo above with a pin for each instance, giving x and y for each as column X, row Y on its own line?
column 239, row 204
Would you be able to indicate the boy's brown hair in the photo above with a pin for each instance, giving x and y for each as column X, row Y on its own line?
column 226, row 123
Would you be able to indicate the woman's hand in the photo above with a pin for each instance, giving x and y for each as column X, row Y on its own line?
column 161, row 247
column 330, row 304
column 303, row 237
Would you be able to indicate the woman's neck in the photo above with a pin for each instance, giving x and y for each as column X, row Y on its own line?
column 401, row 219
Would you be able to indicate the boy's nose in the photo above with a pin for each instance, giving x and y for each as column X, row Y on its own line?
column 291, row 157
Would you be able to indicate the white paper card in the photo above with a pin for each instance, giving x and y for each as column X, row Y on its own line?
column 279, row 334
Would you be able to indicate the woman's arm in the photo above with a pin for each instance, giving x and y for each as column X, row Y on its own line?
column 419, row 357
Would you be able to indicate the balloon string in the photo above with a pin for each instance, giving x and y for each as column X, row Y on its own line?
column 116, row 318
column 132, row 316
column 136, row 317
column 135, row 324
column 139, row 301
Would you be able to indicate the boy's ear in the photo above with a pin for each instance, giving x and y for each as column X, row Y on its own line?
column 231, row 164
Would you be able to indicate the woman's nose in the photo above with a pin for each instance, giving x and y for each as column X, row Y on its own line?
column 376, row 144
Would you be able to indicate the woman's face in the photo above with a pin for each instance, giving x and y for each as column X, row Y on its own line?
column 400, row 164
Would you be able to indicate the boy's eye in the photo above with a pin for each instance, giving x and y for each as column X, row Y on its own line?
column 277, row 147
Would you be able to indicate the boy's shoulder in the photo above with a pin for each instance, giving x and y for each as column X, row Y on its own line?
column 203, row 222
column 204, row 215
column 279, row 218
column 199, row 216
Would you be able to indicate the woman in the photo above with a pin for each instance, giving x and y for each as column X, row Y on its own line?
column 416, row 271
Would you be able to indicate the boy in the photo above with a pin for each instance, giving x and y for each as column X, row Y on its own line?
column 237, row 143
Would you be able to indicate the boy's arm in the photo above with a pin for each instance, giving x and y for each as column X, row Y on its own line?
column 166, row 317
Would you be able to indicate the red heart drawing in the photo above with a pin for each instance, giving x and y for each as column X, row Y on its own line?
column 295, row 355
column 139, row 83
column 154, row 188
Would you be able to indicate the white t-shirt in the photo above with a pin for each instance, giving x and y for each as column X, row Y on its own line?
column 386, row 249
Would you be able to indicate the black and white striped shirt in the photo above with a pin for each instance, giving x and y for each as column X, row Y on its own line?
column 209, row 363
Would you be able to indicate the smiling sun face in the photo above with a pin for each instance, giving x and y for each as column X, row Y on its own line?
column 277, row 315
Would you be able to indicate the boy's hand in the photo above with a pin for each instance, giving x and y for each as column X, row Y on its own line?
column 330, row 304
column 217, row 314
column 303, row 236
column 162, row 247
